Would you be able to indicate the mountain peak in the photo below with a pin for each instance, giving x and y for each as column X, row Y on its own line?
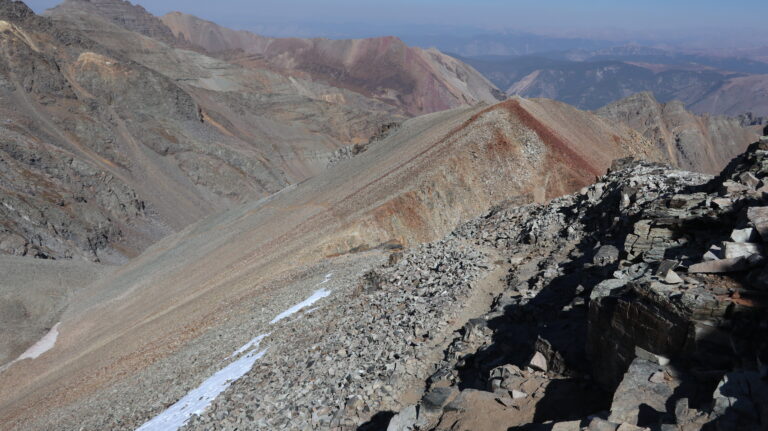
column 14, row 11
column 123, row 13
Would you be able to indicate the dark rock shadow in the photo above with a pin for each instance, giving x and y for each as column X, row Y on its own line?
column 378, row 422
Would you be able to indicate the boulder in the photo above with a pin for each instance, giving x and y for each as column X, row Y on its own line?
column 750, row 180
column 651, row 357
column 405, row 420
column 606, row 255
column 643, row 316
column 437, row 398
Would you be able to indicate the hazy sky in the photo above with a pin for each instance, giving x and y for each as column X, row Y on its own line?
column 720, row 19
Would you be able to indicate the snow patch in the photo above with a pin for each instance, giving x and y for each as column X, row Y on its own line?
column 318, row 295
column 198, row 399
column 43, row 345
column 249, row 345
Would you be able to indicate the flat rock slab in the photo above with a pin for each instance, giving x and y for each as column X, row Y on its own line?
column 720, row 266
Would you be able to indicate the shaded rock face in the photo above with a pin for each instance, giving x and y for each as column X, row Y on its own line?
column 698, row 143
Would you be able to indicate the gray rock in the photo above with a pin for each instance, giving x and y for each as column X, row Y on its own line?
column 598, row 424
column 741, row 401
column 438, row 397
column 750, row 180
column 405, row 420
column 720, row 266
column 651, row 357
column 741, row 249
column 758, row 216
column 606, row 255
column 637, row 389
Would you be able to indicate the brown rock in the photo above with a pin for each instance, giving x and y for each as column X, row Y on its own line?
column 720, row 266
column 479, row 410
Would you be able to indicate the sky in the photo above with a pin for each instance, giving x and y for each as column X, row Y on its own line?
column 711, row 21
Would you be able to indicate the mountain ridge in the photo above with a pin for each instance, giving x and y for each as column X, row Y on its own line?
column 421, row 81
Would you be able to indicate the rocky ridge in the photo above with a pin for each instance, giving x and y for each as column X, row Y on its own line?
column 417, row 81
column 649, row 308
column 642, row 297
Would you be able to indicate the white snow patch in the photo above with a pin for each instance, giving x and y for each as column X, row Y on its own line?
column 43, row 345
column 198, row 399
column 318, row 295
column 249, row 345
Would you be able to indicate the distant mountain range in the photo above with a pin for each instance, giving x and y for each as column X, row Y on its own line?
column 591, row 79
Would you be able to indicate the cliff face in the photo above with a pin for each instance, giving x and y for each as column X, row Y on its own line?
column 699, row 143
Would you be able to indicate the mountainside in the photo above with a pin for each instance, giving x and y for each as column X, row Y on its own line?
column 692, row 142
column 416, row 80
column 415, row 185
column 600, row 298
column 112, row 140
